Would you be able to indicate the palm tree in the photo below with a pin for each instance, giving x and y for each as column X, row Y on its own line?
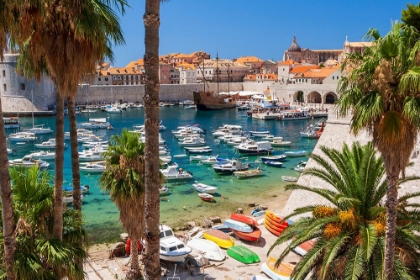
column 349, row 230
column 381, row 90
column 123, row 178
column 151, row 122
column 38, row 253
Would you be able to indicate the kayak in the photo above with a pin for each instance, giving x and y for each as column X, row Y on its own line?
column 271, row 229
column 277, row 226
column 244, row 219
column 272, row 216
column 248, row 236
column 219, row 237
column 243, row 254
column 239, row 226
column 282, row 272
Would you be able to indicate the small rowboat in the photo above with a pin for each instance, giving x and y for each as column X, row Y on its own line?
column 203, row 188
column 239, row 226
column 273, row 158
column 244, row 219
column 273, row 163
column 206, row 197
column 243, row 254
column 289, row 178
column 219, row 237
column 282, row 272
column 248, row 236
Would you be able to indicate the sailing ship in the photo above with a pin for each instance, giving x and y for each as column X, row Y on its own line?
column 210, row 100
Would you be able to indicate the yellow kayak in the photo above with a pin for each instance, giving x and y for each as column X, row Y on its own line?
column 219, row 237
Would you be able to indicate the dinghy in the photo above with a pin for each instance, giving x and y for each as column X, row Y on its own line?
column 219, row 237
column 208, row 248
column 243, row 254
column 239, row 226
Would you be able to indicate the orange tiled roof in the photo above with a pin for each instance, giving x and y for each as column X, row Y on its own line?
column 289, row 62
column 244, row 59
column 122, row 71
column 319, row 73
column 303, row 69
column 250, row 77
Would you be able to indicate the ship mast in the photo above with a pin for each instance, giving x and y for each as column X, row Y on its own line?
column 217, row 72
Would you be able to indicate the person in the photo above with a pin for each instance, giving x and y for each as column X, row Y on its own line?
column 180, row 171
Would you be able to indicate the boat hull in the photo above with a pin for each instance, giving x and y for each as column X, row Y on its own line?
column 244, row 219
column 282, row 272
column 209, row 249
column 248, row 236
column 219, row 237
column 243, row 254
column 208, row 101
column 239, row 226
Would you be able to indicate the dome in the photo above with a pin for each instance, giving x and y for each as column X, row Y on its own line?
column 294, row 47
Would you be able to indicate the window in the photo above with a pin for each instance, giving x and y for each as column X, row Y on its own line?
column 99, row 79
column 106, row 79
column 4, row 87
column 22, row 86
column 4, row 73
column 333, row 77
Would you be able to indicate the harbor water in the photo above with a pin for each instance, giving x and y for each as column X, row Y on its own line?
column 182, row 205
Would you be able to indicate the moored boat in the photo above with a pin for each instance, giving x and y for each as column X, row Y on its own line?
column 299, row 153
column 239, row 226
column 171, row 248
column 273, row 163
column 44, row 155
column 274, row 158
column 289, row 178
column 229, row 168
column 280, row 143
column 243, row 254
column 248, row 173
column 244, row 219
column 282, row 272
column 206, row 100
column 222, row 239
column 301, row 166
column 206, row 197
column 248, row 236
column 172, row 173
column 203, row 188
column 208, row 248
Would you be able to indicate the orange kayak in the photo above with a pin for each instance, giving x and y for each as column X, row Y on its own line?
column 244, row 219
column 278, row 226
column 248, row 236
column 273, row 230
column 273, row 217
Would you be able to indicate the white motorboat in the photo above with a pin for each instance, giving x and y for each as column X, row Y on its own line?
column 9, row 151
column 214, row 160
column 301, row 166
column 273, row 158
column 172, row 249
column 236, row 141
column 68, row 198
column 198, row 150
column 92, row 168
column 44, row 155
column 101, row 144
column 184, row 135
column 89, row 138
column 39, row 129
column 113, row 110
column 198, row 158
column 192, row 142
column 165, row 159
column 29, row 161
column 299, row 153
column 252, row 147
column 203, row 188
column 94, row 154
column 50, row 144
column 229, row 168
column 163, row 191
column 248, row 173
column 172, row 173
column 280, row 143
column 95, row 123
column 271, row 138
column 22, row 137
column 12, row 122
column 208, row 248
column 190, row 107
column 259, row 133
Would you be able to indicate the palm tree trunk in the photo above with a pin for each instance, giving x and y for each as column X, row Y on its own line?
column 151, row 122
column 134, row 272
column 7, row 204
column 391, row 223
column 74, row 145
column 59, row 164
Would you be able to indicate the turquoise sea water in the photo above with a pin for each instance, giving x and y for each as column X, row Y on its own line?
column 101, row 215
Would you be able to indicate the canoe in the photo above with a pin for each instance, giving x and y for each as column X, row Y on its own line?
column 239, row 226
column 219, row 237
column 282, row 272
column 270, row 215
column 243, row 254
column 208, row 248
column 244, row 219
column 274, row 231
column 277, row 226
column 248, row 236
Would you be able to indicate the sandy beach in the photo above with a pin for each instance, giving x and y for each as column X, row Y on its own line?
column 101, row 267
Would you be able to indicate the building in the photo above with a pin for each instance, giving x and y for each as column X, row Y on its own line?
column 221, row 70
column 296, row 53
column 253, row 63
column 187, row 73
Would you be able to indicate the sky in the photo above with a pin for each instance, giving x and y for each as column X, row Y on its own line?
column 261, row 28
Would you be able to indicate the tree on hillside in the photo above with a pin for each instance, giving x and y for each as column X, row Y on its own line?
column 151, row 121
column 411, row 16
column 381, row 89
column 123, row 178
column 349, row 229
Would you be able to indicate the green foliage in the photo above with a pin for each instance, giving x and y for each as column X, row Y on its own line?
column 411, row 16
column 38, row 254
column 349, row 230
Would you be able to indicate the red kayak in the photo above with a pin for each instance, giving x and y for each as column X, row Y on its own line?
column 248, row 236
column 244, row 219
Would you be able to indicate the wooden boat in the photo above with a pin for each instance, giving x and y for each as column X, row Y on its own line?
column 244, row 219
column 300, row 153
column 273, row 163
column 209, row 100
column 303, row 248
column 248, row 236
column 282, row 272
column 248, row 173
column 243, row 254
column 274, row 158
column 206, row 197
column 289, row 178
column 239, row 226
column 219, row 237
column 203, row 188
column 208, row 248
